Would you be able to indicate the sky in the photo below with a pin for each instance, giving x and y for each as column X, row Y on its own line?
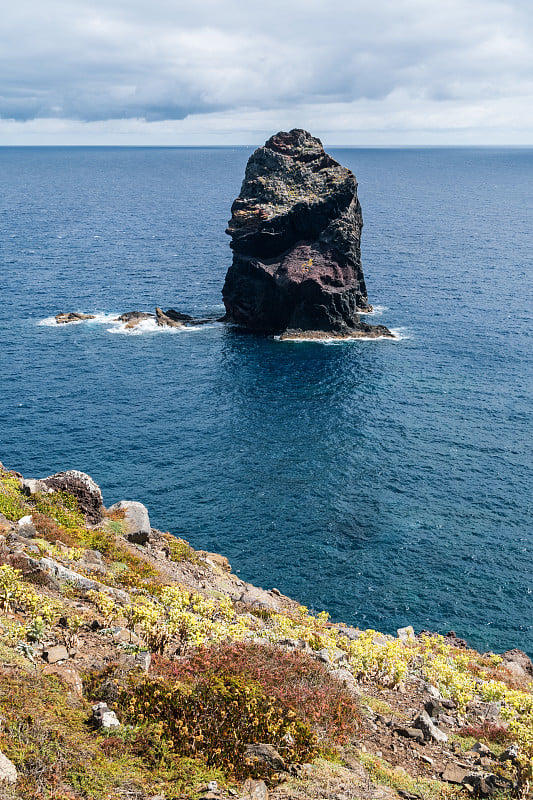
column 219, row 72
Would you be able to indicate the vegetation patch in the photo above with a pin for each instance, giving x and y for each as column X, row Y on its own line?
column 214, row 718
column 292, row 678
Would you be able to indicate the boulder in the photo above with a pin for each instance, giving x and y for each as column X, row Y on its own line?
column 137, row 521
column 61, row 573
column 410, row 733
column 26, row 528
column 429, row 729
column 178, row 316
column 259, row 598
column 84, row 489
column 8, row 771
column 454, row 773
column 104, row 717
column 334, row 656
column 296, row 232
column 92, row 561
column 345, row 677
column 31, row 486
column 254, row 790
column 264, row 754
column 55, row 654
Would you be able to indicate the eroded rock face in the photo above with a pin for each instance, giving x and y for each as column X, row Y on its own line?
column 296, row 233
column 84, row 489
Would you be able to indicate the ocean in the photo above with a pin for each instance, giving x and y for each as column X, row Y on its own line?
column 388, row 482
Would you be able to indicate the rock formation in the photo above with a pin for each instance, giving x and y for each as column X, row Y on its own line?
column 296, row 233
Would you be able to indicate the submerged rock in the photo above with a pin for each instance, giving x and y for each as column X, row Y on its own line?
column 296, row 233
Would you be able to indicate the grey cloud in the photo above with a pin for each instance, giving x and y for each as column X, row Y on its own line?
column 113, row 59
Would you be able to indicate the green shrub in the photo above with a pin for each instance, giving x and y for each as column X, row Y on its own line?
column 179, row 549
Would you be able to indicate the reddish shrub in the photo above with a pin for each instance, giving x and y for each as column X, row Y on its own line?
column 486, row 731
column 52, row 532
column 293, row 678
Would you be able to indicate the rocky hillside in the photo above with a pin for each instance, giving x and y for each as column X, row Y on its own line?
column 133, row 666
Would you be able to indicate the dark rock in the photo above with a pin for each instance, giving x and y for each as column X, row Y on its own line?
column 447, row 703
column 62, row 317
column 455, row 641
column 489, row 712
column 164, row 320
column 411, row 733
column 177, row 316
column 433, row 707
column 134, row 316
column 486, row 784
column 510, row 754
column 32, row 570
column 84, row 489
column 296, row 231
column 264, row 754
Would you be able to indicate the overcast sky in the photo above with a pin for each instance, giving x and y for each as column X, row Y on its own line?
column 381, row 72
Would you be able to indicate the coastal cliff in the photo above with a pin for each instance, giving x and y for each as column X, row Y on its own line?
column 296, row 238
column 133, row 666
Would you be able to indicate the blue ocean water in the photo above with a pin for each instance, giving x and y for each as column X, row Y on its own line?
column 387, row 482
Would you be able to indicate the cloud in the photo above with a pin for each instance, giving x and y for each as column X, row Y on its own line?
column 167, row 60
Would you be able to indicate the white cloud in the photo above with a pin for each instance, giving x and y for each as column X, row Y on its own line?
column 189, row 69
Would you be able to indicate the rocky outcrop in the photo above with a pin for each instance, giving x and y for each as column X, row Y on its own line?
column 296, row 234
column 63, row 317
column 84, row 489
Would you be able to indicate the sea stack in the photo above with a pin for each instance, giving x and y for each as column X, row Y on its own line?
column 296, row 239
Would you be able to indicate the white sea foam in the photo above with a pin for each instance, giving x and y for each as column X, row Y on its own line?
column 150, row 326
column 377, row 311
column 116, row 326
column 99, row 319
